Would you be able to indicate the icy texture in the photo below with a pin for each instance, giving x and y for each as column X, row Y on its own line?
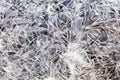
column 59, row 40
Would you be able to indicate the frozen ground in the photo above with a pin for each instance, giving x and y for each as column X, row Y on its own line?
column 59, row 40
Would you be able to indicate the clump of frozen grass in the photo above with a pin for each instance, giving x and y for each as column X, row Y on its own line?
column 59, row 40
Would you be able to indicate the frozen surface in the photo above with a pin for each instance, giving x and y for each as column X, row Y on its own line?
column 59, row 40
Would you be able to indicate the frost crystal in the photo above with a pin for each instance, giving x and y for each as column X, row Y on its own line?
column 59, row 40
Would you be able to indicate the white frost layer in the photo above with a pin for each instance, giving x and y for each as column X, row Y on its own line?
column 50, row 78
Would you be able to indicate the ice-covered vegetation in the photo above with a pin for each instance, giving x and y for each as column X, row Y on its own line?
column 59, row 40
